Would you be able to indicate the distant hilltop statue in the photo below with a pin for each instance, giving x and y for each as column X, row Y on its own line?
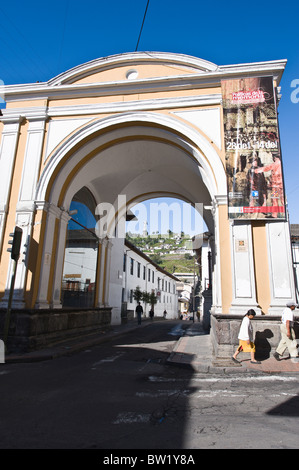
column 145, row 232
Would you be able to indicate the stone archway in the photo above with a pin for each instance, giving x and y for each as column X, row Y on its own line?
column 157, row 131
column 131, row 155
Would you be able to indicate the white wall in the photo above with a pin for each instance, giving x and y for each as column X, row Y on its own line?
column 168, row 298
column 295, row 249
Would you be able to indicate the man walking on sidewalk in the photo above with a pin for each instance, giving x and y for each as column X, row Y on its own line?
column 288, row 338
column 139, row 311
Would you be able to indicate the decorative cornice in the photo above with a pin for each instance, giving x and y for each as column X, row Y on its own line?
column 115, row 107
column 136, row 105
column 42, row 205
column 19, row 114
column 221, row 199
column 11, row 118
column 203, row 79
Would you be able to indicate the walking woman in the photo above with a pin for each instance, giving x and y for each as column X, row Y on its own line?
column 245, row 337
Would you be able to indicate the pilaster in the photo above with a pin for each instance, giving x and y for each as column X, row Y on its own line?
column 107, row 273
column 281, row 273
column 8, row 148
column 243, row 274
column 59, row 256
column 53, row 213
column 25, row 208
column 101, row 272
column 218, row 202
column 32, row 161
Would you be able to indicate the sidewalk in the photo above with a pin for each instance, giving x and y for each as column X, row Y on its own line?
column 193, row 350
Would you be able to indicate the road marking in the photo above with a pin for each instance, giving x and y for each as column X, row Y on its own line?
column 162, row 393
column 223, row 393
column 131, row 417
column 240, row 378
column 177, row 330
column 108, row 359
column 251, row 378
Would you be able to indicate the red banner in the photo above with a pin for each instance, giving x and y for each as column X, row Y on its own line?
column 252, row 149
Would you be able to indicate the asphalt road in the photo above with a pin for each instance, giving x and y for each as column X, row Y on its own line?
column 123, row 395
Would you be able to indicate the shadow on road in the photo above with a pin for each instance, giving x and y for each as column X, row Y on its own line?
column 117, row 395
column 288, row 408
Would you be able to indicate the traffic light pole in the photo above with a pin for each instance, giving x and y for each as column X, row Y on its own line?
column 12, row 285
column 15, row 253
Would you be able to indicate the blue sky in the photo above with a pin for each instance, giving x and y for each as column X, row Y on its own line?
column 39, row 40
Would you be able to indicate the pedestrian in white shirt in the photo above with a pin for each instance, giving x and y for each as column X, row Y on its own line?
column 245, row 337
column 288, row 337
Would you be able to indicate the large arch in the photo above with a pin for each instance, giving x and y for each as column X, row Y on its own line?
column 140, row 125
column 134, row 155
column 98, row 135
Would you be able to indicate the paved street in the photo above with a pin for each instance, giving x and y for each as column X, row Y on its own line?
column 123, row 394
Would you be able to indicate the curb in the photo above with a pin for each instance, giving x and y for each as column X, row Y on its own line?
column 200, row 363
column 67, row 350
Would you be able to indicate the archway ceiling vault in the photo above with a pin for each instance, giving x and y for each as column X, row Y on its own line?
column 142, row 169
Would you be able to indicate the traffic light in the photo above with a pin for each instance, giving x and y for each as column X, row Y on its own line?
column 25, row 252
column 16, row 243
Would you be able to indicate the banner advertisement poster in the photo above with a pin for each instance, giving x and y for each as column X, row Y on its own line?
column 252, row 149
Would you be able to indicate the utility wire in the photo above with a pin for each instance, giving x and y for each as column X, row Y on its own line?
column 63, row 33
column 142, row 25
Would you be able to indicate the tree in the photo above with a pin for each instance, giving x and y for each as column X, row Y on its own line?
column 153, row 299
column 146, row 297
column 156, row 258
column 137, row 294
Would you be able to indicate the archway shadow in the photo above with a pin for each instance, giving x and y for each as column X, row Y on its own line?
column 288, row 408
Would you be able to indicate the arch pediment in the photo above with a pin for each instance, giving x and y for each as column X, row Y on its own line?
column 132, row 66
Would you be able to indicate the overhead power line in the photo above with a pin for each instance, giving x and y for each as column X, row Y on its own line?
column 142, row 25
column 63, row 32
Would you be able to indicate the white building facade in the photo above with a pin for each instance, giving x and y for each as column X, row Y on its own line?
column 295, row 253
column 139, row 270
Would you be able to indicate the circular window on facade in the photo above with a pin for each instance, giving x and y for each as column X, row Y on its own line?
column 131, row 74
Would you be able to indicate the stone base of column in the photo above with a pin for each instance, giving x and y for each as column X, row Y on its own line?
column 225, row 329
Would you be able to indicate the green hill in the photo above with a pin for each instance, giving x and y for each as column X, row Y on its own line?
column 173, row 252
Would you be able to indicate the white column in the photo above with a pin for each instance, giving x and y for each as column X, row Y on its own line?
column 107, row 274
column 101, row 271
column 214, row 242
column 9, row 142
column 244, row 292
column 24, row 221
column 281, row 274
column 26, row 206
column 32, row 160
column 116, row 280
column 59, row 260
column 53, row 213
